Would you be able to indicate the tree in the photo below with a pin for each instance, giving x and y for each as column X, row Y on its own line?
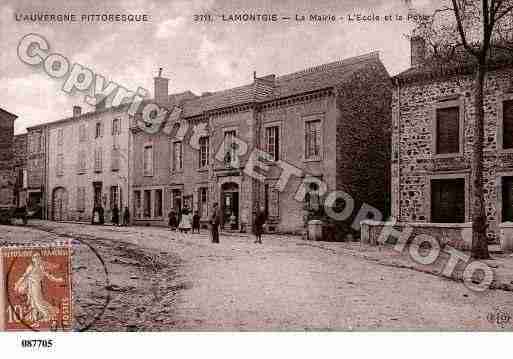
column 475, row 32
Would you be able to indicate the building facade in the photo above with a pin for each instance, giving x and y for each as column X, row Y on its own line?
column 37, row 170
column 330, row 123
column 7, row 174
column 87, row 164
column 20, row 169
column 432, row 138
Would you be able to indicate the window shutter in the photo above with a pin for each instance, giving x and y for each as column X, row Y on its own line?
column 448, row 130
column 507, row 124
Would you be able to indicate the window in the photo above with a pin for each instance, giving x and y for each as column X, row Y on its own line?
column 148, row 160
column 137, row 204
column 98, row 160
column 448, row 130
column 230, row 148
column 60, row 165
column 203, row 202
column 115, row 157
column 114, row 196
column 177, row 156
column 35, row 143
column 312, row 139
column 81, row 199
column 82, row 134
column 507, row 124
column 157, row 210
column 82, row 162
column 507, row 198
column 272, row 142
column 116, row 127
column 147, row 204
column 204, row 152
column 60, row 136
column 177, row 200
column 448, row 200
column 98, row 130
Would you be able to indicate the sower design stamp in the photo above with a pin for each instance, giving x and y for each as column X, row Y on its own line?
column 36, row 288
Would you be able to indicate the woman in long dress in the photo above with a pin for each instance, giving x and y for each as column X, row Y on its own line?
column 185, row 223
column 31, row 284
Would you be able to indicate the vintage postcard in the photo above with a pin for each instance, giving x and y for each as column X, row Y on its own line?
column 237, row 165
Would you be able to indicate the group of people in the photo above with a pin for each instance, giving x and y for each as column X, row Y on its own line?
column 215, row 222
column 115, row 216
column 98, row 216
column 183, row 221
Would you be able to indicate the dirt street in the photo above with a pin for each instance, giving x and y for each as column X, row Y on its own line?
column 160, row 280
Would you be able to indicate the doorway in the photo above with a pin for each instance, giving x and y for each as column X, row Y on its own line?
column 230, row 205
column 60, row 204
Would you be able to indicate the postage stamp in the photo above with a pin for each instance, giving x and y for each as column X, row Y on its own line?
column 36, row 288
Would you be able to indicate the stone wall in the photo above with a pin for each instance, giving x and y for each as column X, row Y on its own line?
column 413, row 163
column 456, row 235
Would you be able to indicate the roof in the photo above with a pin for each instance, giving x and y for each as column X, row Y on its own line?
column 174, row 100
column 8, row 113
column 311, row 79
column 464, row 64
column 266, row 88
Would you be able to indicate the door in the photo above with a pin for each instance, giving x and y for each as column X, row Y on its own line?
column 60, row 204
column 97, row 186
column 230, row 203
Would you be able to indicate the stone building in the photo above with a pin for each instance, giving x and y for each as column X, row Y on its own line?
column 432, row 111
column 86, row 163
column 7, row 175
column 330, row 123
column 37, row 170
column 20, row 169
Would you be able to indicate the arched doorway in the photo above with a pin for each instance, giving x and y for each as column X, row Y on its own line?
column 230, row 205
column 59, row 204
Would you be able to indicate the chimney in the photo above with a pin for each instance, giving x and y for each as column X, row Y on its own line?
column 161, row 88
column 77, row 111
column 101, row 102
column 418, row 51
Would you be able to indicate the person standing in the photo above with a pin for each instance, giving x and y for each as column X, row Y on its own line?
column 115, row 215
column 173, row 223
column 260, row 219
column 196, row 222
column 215, row 220
column 126, row 216
column 185, row 222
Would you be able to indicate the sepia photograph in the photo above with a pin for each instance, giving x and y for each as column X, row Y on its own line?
column 214, row 167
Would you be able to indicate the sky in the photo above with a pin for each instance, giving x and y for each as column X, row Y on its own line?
column 199, row 57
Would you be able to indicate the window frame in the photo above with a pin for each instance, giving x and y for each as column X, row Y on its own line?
column 500, row 123
column 81, row 199
column 443, row 104
column 60, row 165
column 98, row 160
column 115, row 159
column 428, row 192
column 116, row 126
column 60, row 136
column 227, row 130
column 278, row 151
column 204, row 164
column 149, row 172
column 174, row 167
column 306, row 120
column 98, row 129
